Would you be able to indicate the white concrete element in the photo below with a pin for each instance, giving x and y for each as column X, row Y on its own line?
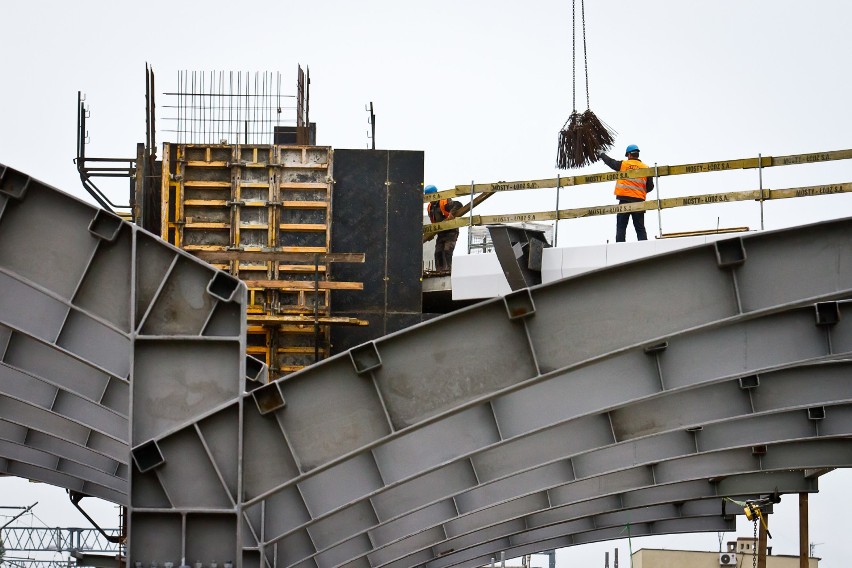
column 480, row 276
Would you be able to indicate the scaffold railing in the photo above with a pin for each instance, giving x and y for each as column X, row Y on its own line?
column 760, row 194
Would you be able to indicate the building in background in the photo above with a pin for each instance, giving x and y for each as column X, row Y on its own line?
column 738, row 553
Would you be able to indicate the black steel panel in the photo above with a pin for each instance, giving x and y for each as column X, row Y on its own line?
column 378, row 210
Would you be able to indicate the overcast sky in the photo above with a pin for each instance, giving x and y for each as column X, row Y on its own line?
column 483, row 89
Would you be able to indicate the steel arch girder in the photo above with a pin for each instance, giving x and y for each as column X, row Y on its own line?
column 721, row 464
column 104, row 291
column 765, row 408
column 366, row 359
column 713, row 432
column 739, row 294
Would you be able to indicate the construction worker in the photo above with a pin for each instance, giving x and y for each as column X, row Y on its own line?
column 443, row 210
column 630, row 190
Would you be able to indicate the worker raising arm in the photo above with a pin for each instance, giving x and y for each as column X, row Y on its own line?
column 630, row 190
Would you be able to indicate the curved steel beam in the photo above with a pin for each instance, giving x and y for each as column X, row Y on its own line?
column 357, row 444
column 672, row 441
column 110, row 299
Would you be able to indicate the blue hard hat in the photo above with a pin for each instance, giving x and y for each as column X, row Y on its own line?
column 430, row 189
column 632, row 148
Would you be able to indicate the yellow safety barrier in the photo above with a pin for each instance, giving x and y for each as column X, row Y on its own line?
column 660, row 171
column 668, row 203
column 487, row 189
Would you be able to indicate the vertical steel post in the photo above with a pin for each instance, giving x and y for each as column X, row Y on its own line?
column 372, row 126
column 556, row 223
column 803, row 530
column 470, row 222
column 760, row 179
column 761, row 546
column 316, row 308
column 659, row 210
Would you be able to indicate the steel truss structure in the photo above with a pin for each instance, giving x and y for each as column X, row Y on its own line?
column 561, row 414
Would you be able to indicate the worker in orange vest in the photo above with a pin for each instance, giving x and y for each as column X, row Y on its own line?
column 443, row 210
column 630, row 190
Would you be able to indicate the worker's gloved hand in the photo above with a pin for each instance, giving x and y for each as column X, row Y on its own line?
column 450, row 217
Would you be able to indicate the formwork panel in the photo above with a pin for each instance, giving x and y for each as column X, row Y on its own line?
column 259, row 198
column 378, row 209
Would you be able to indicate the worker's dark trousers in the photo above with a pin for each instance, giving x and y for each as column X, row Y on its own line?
column 622, row 219
column 445, row 244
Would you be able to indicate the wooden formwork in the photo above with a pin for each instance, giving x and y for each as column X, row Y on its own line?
column 250, row 199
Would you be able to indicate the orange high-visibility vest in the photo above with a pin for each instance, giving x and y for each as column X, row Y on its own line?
column 442, row 204
column 631, row 187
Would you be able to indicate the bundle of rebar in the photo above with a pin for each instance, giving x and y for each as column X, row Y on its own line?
column 582, row 139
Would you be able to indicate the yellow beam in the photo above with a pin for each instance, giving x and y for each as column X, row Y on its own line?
column 700, row 167
column 305, row 284
column 668, row 203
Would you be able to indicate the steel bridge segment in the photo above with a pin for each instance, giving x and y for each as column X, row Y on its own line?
column 769, row 488
column 54, row 418
column 684, row 500
column 534, row 526
column 534, row 511
column 106, row 295
column 442, row 539
column 459, row 497
column 732, row 410
column 370, row 360
column 506, row 536
column 458, row 376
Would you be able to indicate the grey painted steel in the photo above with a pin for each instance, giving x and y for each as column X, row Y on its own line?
column 398, row 455
column 549, row 418
column 85, row 297
column 519, row 251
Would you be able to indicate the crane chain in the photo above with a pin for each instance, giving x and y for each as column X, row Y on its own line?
column 585, row 52
column 755, row 545
column 574, row 54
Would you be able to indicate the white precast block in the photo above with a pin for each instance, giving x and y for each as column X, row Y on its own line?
column 478, row 276
column 551, row 264
column 617, row 253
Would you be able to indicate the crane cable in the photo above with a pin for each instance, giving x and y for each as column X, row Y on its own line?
column 574, row 52
column 584, row 136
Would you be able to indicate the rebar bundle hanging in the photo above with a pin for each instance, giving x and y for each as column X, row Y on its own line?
column 583, row 136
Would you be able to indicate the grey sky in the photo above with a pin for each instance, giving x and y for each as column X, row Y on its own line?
column 483, row 88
